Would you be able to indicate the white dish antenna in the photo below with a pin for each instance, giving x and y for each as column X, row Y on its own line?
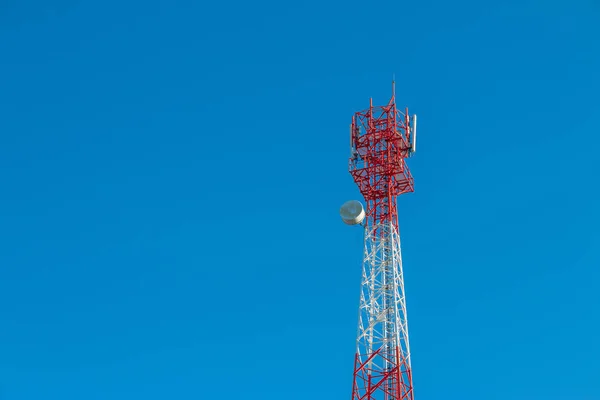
column 352, row 212
column 414, row 136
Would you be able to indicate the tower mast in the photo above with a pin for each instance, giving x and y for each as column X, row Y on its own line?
column 381, row 138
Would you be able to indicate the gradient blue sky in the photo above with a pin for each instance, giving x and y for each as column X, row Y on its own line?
column 171, row 173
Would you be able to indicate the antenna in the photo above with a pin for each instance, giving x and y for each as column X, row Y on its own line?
column 351, row 140
column 352, row 212
column 414, row 137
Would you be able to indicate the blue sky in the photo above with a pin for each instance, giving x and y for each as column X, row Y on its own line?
column 172, row 173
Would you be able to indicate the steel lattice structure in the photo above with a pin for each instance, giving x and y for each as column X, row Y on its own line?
column 381, row 139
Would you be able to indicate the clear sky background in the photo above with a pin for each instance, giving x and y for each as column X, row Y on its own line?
column 171, row 174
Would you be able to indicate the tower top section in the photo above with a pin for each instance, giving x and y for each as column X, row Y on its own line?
column 381, row 139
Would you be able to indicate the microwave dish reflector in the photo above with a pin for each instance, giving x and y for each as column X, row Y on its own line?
column 352, row 212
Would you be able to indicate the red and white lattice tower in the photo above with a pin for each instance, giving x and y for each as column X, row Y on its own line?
column 381, row 138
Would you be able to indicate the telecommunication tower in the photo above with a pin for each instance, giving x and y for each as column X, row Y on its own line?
column 381, row 138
